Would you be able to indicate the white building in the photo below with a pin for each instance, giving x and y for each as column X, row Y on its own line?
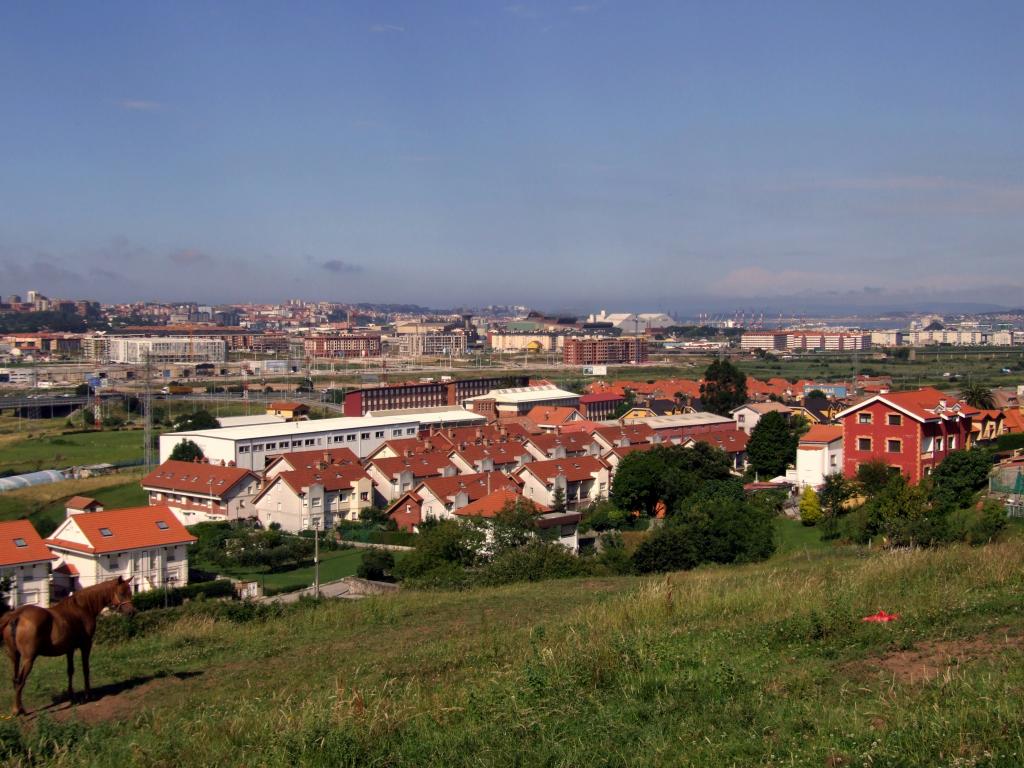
column 747, row 416
column 146, row 544
column 819, row 454
column 630, row 322
column 251, row 447
column 432, row 345
column 166, row 349
column 201, row 492
column 583, row 479
column 314, row 497
column 25, row 561
column 518, row 401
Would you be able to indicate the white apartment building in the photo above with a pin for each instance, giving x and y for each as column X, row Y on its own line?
column 251, row 447
column 166, row 349
column 432, row 345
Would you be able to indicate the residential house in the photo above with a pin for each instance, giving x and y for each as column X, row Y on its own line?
column 626, row 434
column 146, row 544
column 747, row 416
column 732, row 441
column 550, row 418
column 583, row 479
column 557, row 446
column 197, row 492
column 500, row 457
column 314, row 497
column 986, row 424
column 819, row 454
column 288, row 410
column 25, row 562
column 910, row 431
column 394, row 476
column 308, row 459
column 438, row 498
column 564, row 525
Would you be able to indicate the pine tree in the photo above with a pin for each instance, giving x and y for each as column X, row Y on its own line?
column 558, row 501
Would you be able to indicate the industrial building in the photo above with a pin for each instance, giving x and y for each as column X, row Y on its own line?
column 166, row 349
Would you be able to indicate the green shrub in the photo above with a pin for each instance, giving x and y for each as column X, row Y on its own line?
column 376, row 564
column 161, row 598
column 810, row 507
column 536, row 561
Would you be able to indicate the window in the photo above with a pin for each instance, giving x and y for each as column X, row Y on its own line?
column 894, row 420
column 338, row 439
column 894, row 446
column 863, row 443
column 379, row 434
column 106, row 532
column 351, row 438
column 411, row 431
column 938, row 443
column 162, row 525
column 271, row 446
column 396, row 433
column 864, row 418
column 364, row 436
column 19, row 542
column 316, row 502
column 740, row 418
column 310, row 441
column 364, row 496
column 952, row 442
column 243, row 449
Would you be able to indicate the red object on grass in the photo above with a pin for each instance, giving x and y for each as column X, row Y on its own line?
column 881, row 617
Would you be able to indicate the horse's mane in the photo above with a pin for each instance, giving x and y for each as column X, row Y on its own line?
column 83, row 597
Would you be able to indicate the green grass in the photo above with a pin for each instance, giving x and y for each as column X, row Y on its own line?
column 33, row 451
column 333, row 565
column 764, row 665
column 794, row 536
column 44, row 505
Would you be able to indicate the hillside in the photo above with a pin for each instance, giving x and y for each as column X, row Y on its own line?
column 766, row 664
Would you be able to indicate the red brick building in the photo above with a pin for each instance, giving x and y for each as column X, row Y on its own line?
column 604, row 350
column 911, row 431
column 430, row 394
column 342, row 345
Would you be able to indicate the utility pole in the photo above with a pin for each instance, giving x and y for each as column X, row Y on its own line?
column 147, row 416
column 316, row 557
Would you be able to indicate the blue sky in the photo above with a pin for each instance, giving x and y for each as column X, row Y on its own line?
column 572, row 154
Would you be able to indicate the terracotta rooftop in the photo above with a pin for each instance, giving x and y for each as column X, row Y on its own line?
column 80, row 502
column 490, row 505
column 117, row 530
column 194, row 477
column 575, row 468
column 20, row 543
column 421, row 465
column 822, row 433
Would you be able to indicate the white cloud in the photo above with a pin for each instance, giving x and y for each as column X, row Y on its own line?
column 385, row 28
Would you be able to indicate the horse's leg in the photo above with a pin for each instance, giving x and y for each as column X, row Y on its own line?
column 20, row 680
column 86, row 649
column 71, row 676
column 16, row 663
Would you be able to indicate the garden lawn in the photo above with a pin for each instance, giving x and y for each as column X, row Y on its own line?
column 333, row 565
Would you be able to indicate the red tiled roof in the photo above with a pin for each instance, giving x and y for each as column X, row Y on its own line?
column 544, row 415
column 68, row 568
column 1013, row 420
column 494, row 502
column 130, row 528
column 729, row 440
column 502, row 453
column 624, row 450
column 195, row 477
column 421, row 465
column 13, row 534
column 333, row 477
column 475, row 486
column 601, row 397
column 575, row 468
column 635, row 433
column 573, row 442
column 919, row 404
column 80, row 502
column 822, row 433
column 300, row 459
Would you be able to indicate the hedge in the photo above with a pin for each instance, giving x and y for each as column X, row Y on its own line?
column 162, row 598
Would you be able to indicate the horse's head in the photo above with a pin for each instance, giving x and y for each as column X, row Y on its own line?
column 121, row 597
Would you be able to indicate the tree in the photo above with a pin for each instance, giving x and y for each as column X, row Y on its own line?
column 186, row 450
column 901, row 513
column 772, row 445
column 724, row 388
column 83, row 390
column 558, row 500
column 978, row 396
column 816, row 394
column 873, row 476
column 960, row 475
column 376, row 564
column 667, row 475
column 836, row 491
column 440, row 544
column 720, row 529
column 810, row 507
column 627, row 404
column 513, row 526
column 192, row 422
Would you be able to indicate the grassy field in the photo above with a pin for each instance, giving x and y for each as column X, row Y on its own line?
column 44, row 504
column 766, row 665
column 29, row 452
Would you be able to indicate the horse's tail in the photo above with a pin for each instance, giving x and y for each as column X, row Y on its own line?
column 9, row 619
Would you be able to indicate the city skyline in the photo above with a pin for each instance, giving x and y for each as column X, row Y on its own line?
column 515, row 153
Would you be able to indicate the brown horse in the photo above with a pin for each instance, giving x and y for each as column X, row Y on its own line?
column 31, row 631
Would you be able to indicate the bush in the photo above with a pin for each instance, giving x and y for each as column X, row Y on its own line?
column 160, row 598
column 376, row 564
column 535, row 561
column 810, row 507
column 442, row 575
column 1010, row 442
